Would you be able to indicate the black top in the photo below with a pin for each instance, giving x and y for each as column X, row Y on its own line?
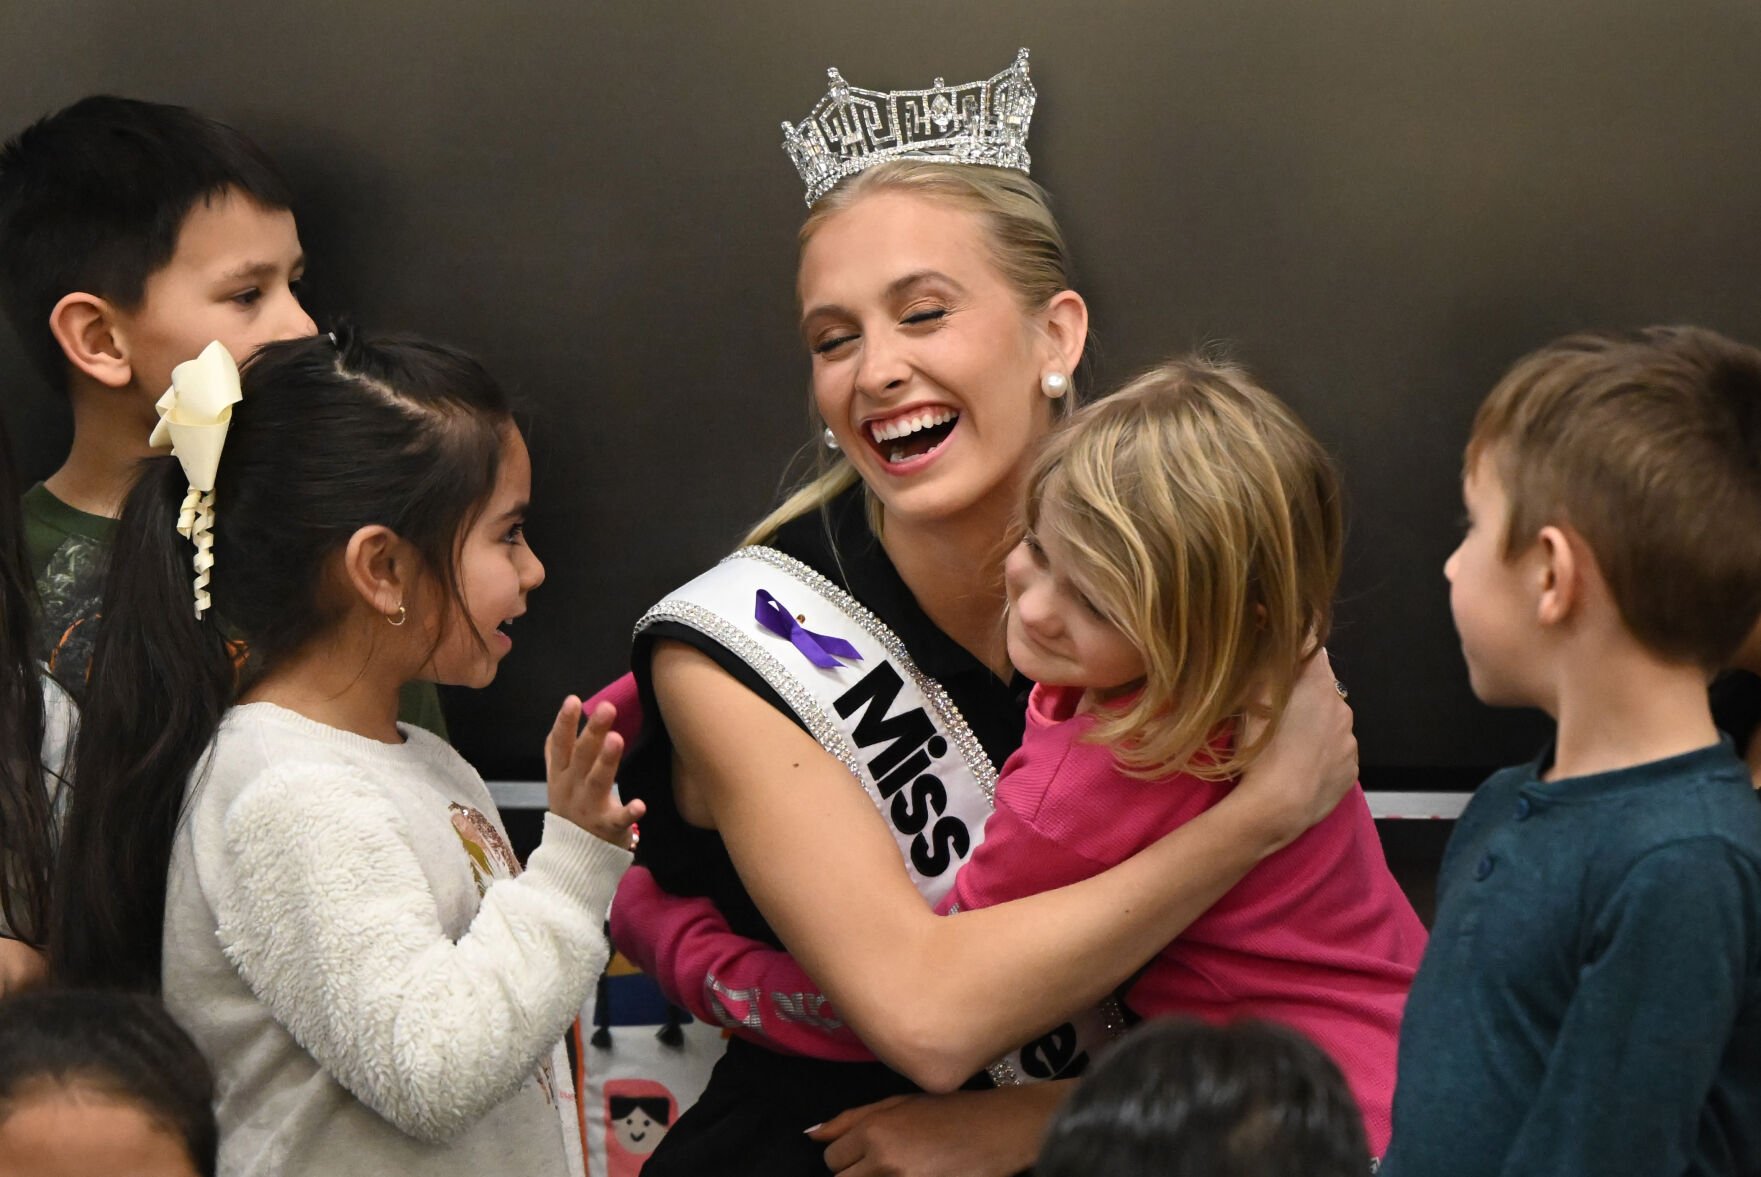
column 752, row 1114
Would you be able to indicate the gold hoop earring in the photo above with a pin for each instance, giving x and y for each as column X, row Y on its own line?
column 403, row 615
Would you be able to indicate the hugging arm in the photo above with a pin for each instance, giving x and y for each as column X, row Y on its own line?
column 961, row 1134
column 937, row 999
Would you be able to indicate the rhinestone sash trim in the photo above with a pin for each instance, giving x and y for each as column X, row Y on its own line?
column 821, row 726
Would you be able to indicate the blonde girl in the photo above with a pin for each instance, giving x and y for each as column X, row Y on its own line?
column 1181, row 549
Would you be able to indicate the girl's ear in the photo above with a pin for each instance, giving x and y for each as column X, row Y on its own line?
column 1066, row 327
column 85, row 327
column 380, row 568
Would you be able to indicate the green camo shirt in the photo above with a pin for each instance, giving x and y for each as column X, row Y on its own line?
column 66, row 547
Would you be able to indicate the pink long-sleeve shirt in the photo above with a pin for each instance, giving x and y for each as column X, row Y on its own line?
column 1318, row 936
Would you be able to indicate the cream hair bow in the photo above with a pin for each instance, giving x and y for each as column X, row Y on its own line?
column 194, row 415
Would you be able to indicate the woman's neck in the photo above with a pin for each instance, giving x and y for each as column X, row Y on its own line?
column 954, row 568
column 330, row 682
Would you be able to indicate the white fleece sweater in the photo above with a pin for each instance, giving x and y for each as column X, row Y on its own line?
column 346, row 943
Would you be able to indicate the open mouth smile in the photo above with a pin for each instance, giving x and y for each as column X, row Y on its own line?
column 912, row 434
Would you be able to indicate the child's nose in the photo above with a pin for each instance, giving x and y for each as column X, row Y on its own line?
column 1033, row 604
column 296, row 324
column 532, row 573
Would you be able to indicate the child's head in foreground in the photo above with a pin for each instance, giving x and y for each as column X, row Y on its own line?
column 1181, row 1098
column 133, row 233
column 101, row 1083
column 1183, row 541
column 1613, row 491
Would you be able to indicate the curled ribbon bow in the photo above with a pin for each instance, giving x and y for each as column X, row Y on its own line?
column 194, row 415
column 822, row 649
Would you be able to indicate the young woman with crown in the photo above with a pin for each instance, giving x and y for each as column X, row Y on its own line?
column 832, row 702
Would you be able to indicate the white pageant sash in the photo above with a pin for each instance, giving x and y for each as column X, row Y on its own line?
column 891, row 725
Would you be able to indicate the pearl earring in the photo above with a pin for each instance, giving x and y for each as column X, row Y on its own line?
column 831, row 439
column 1054, row 384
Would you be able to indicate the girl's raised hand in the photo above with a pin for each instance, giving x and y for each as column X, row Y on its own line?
column 581, row 764
column 1311, row 762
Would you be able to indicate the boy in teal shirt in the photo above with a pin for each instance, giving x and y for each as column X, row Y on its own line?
column 1590, row 1001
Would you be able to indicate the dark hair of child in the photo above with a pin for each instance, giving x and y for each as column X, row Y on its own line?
column 1181, row 1098
column 92, row 198
column 26, row 827
column 124, row 1046
column 329, row 438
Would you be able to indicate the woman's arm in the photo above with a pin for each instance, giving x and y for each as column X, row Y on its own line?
column 961, row 1134
column 938, row 998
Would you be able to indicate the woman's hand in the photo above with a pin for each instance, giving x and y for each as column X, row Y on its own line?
column 581, row 764
column 963, row 1134
column 1311, row 762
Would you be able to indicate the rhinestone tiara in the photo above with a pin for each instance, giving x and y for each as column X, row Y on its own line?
column 851, row 128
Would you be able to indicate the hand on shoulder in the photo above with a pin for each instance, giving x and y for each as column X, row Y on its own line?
column 1311, row 762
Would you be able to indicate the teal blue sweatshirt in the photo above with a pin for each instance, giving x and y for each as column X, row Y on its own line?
column 1590, row 1001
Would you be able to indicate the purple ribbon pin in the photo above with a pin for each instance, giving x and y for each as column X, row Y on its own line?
column 822, row 649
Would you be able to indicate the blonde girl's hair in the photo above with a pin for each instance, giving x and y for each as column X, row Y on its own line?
column 1203, row 520
column 1026, row 245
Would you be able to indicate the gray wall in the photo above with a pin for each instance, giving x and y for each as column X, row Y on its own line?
column 1379, row 204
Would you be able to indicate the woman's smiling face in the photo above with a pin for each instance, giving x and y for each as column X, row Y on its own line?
column 925, row 365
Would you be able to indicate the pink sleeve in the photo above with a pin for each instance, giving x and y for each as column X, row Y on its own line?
column 757, row 991
column 623, row 695
column 724, row 979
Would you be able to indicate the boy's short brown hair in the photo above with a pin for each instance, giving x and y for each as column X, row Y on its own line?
column 1648, row 446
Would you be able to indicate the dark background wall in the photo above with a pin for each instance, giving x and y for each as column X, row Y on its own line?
column 1379, row 204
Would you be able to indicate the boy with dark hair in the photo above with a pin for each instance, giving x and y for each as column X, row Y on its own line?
column 131, row 235
column 1184, row 1098
column 1590, row 1002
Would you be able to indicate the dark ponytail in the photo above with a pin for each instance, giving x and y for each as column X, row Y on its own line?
column 329, row 438
column 26, row 827
column 160, row 681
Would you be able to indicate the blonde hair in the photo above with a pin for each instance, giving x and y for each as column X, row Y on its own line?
column 1026, row 245
column 1205, row 523
column 1646, row 445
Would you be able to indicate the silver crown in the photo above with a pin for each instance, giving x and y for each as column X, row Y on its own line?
column 851, row 129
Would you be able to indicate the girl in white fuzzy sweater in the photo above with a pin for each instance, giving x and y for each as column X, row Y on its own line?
column 325, row 898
